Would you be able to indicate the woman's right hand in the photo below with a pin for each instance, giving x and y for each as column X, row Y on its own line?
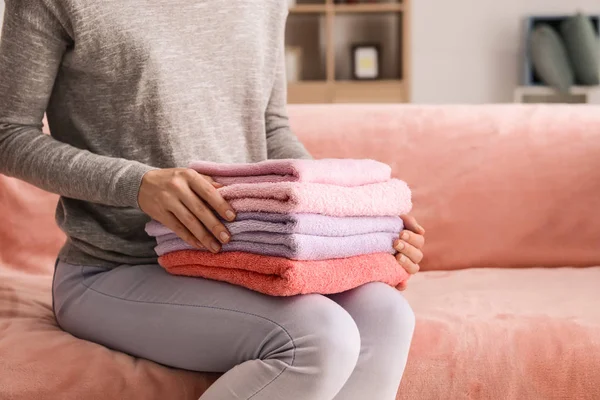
column 181, row 199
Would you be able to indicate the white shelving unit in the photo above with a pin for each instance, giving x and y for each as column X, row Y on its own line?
column 545, row 94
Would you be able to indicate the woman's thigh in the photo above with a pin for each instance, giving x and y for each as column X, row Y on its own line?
column 188, row 323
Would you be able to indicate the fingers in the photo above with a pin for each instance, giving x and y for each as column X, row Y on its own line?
column 411, row 224
column 413, row 239
column 414, row 254
column 410, row 245
column 192, row 224
column 206, row 216
column 207, row 192
column 170, row 221
column 182, row 199
column 212, row 181
column 407, row 264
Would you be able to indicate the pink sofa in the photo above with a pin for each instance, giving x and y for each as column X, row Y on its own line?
column 507, row 305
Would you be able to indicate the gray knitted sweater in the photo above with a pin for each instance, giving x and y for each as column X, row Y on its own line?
column 129, row 86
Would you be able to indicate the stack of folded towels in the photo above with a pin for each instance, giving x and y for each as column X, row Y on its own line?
column 302, row 226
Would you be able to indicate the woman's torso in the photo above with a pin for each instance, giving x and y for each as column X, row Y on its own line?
column 162, row 83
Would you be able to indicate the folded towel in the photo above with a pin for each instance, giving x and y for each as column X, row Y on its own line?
column 342, row 172
column 308, row 224
column 277, row 276
column 297, row 246
column 378, row 199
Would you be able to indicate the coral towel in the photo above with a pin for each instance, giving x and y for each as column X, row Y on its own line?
column 297, row 246
column 342, row 172
column 306, row 224
column 392, row 197
column 277, row 276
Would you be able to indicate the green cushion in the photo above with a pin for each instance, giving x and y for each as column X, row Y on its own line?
column 549, row 58
column 583, row 48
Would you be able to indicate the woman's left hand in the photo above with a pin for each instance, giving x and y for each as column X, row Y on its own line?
column 410, row 246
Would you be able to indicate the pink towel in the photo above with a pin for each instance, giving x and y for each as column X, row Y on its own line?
column 342, row 172
column 307, row 224
column 378, row 199
column 277, row 276
column 297, row 246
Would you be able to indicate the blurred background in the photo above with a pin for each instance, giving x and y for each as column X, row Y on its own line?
column 435, row 51
column 432, row 51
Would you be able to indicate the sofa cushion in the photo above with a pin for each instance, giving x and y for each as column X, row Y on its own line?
column 29, row 237
column 40, row 361
column 494, row 186
column 481, row 334
column 550, row 59
column 582, row 44
column 507, row 334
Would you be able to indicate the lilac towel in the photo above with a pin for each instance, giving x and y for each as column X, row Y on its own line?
column 307, row 224
column 298, row 246
column 341, row 172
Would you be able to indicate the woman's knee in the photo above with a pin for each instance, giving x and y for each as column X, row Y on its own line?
column 393, row 304
column 337, row 336
column 326, row 338
column 380, row 307
column 398, row 312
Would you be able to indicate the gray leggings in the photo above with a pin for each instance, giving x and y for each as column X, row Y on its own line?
column 348, row 346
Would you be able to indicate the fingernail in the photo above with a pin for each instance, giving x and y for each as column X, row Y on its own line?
column 402, row 258
column 215, row 246
column 224, row 236
column 399, row 246
column 230, row 215
column 404, row 236
column 421, row 229
column 199, row 245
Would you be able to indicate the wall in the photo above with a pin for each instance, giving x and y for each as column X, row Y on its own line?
column 469, row 51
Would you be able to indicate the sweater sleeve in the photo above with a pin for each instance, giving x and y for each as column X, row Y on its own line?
column 281, row 141
column 35, row 36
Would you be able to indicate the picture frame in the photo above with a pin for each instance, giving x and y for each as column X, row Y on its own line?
column 366, row 61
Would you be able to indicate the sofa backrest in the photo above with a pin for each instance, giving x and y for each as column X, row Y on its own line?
column 29, row 237
column 494, row 186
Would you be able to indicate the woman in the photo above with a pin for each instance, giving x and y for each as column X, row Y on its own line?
column 134, row 89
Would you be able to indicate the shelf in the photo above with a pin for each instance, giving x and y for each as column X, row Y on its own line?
column 546, row 90
column 545, row 94
column 377, row 91
column 326, row 31
column 347, row 8
column 368, row 8
column 308, row 9
column 307, row 92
